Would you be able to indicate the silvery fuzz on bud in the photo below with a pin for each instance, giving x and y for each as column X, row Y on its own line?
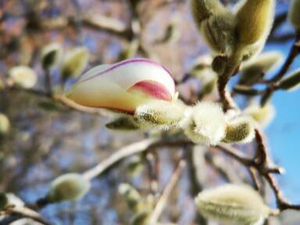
column 294, row 15
column 254, row 70
column 291, row 83
column 254, row 21
column 51, row 55
column 239, row 130
column 131, row 195
column 75, row 62
column 124, row 86
column 68, row 187
column 262, row 115
column 22, row 76
column 160, row 114
column 204, row 123
column 4, row 124
column 233, row 204
column 216, row 23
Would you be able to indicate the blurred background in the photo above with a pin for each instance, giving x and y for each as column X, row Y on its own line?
column 47, row 139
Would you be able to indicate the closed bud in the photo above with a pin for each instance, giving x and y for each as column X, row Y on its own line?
column 254, row 70
column 124, row 86
column 4, row 124
column 262, row 115
column 239, row 130
column 160, row 114
column 9, row 199
column 141, row 218
column 51, row 55
column 291, row 83
column 131, row 195
column 125, row 123
column 233, row 204
column 68, row 187
column 219, row 64
column 75, row 62
column 135, row 166
column 204, row 123
column 22, row 76
column 294, row 15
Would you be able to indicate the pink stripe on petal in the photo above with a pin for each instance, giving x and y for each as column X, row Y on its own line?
column 152, row 89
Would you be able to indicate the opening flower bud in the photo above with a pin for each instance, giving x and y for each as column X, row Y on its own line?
column 22, row 76
column 4, row 124
column 234, row 204
column 160, row 114
column 51, row 55
column 75, row 62
column 205, row 123
column 262, row 115
column 239, row 130
column 68, row 187
column 294, row 15
column 124, row 86
column 291, row 83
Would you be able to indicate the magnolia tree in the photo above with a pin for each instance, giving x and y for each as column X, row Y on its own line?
column 198, row 151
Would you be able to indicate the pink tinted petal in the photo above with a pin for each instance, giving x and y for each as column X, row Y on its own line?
column 152, row 89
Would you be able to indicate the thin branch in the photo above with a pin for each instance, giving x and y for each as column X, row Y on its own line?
column 161, row 204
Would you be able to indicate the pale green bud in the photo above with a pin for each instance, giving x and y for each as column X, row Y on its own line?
column 291, row 83
column 131, row 195
column 233, row 204
column 239, row 130
column 294, row 15
column 262, row 115
column 253, row 70
column 125, row 123
column 22, row 76
column 141, row 218
column 51, row 55
column 75, row 62
column 160, row 114
column 204, row 123
column 68, row 187
column 135, row 166
column 203, row 9
column 4, row 124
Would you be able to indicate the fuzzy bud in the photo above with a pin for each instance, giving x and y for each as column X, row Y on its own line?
column 291, row 83
column 262, row 115
column 23, row 76
column 51, row 55
column 253, row 70
column 125, row 123
column 160, row 114
column 75, row 62
column 4, row 124
column 205, row 123
column 9, row 199
column 131, row 195
column 68, row 187
column 294, row 15
column 234, row 204
column 239, row 130
column 141, row 218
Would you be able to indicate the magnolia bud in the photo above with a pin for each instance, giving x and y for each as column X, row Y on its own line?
column 239, row 130
column 160, row 114
column 23, row 76
column 9, row 199
column 291, row 83
column 124, row 86
column 75, row 62
column 4, row 124
column 204, row 123
column 51, row 55
column 219, row 64
column 294, row 15
column 234, row 204
column 125, row 123
column 141, row 218
column 68, row 187
column 131, row 195
column 262, row 115
column 254, row 70
column 254, row 20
